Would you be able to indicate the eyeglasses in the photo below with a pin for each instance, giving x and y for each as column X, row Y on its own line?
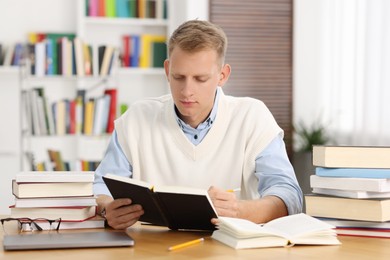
column 28, row 224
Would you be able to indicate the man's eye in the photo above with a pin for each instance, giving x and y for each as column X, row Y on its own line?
column 201, row 80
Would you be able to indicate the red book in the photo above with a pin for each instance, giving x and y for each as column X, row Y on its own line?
column 112, row 111
column 126, row 51
column 101, row 8
column 72, row 115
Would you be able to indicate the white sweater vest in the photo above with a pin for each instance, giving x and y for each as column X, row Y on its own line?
column 161, row 154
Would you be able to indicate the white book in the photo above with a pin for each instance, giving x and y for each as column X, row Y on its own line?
column 55, row 202
column 293, row 229
column 55, row 176
column 352, row 193
column 346, row 223
column 357, row 184
column 79, row 55
column 40, row 58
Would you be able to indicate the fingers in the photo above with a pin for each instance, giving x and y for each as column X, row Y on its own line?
column 121, row 214
column 225, row 203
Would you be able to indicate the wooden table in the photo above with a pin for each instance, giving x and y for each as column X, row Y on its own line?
column 153, row 242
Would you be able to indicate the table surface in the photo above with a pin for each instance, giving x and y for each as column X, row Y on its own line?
column 153, row 242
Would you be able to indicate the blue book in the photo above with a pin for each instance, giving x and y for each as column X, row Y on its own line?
column 49, row 57
column 353, row 172
column 135, row 50
column 122, row 8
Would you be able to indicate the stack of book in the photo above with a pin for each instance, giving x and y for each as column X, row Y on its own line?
column 53, row 195
column 351, row 189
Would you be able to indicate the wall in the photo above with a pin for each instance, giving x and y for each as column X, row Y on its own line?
column 307, row 54
column 17, row 18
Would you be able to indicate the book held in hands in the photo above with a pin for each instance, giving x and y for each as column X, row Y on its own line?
column 172, row 206
column 284, row 231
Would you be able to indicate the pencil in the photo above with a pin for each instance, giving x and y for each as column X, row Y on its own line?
column 189, row 243
column 234, row 190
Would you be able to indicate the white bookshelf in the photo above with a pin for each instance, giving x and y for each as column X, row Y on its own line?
column 68, row 16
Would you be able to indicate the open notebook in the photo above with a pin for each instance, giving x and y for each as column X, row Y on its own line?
column 55, row 240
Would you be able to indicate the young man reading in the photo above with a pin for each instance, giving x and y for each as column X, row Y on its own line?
column 199, row 137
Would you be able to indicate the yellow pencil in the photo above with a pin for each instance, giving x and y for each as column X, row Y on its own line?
column 234, row 190
column 189, row 243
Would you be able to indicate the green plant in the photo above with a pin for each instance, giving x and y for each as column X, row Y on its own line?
column 315, row 134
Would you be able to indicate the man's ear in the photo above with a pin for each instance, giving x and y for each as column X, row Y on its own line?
column 224, row 75
column 166, row 68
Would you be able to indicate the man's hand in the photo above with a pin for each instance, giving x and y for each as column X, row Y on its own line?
column 225, row 203
column 259, row 210
column 120, row 213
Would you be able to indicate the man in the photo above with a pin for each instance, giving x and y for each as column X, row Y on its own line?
column 197, row 136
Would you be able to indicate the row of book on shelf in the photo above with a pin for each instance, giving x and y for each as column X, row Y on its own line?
column 156, row 9
column 66, row 54
column 56, row 162
column 92, row 116
column 54, row 195
column 351, row 189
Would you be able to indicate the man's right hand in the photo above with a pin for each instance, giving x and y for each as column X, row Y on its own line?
column 120, row 213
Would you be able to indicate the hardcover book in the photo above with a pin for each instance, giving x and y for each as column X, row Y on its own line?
column 285, row 231
column 353, row 172
column 172, row 206
column 351, row 156
column 347, row 208
column 357, row 184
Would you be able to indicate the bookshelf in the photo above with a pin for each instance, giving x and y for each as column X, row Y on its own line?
column 132, row 83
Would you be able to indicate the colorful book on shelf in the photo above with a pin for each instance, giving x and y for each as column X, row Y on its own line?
column 110, row 8
column 56, row 160
column 146, row 52
column 353, row 172
column 55, row 38
column 135, row 51
column 65, row 213
column 51, row 189
column 122, row 8
column 93, row 8
column 112, row 108
column 93, row 222
column 101, row 8
column 351, row 183
column 351, row 156
column 89, row 116
column 159, row 54
column 174, row 207
column 347, row 208
column 285, row 231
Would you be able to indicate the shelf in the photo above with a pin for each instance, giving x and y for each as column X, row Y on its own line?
column 140, row 71
column 125, row 21
column 9, row 69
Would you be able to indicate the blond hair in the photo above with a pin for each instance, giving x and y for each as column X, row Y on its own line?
column 196, row 35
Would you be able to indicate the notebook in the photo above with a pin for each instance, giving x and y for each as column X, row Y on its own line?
column 55, row 240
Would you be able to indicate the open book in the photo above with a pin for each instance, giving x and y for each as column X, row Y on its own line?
column 171, row 206
column 284, row 231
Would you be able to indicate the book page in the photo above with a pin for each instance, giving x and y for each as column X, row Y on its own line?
column 297, row 225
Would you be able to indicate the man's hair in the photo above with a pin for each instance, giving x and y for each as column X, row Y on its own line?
column 196, row 35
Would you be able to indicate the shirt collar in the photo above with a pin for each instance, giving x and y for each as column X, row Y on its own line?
column 208, row 122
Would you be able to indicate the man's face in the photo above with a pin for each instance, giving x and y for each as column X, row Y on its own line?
column 193, row 79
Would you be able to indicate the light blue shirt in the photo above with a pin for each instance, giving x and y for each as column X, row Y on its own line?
column 273, row 168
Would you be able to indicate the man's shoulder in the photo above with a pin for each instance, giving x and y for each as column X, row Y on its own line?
column 243, row 103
